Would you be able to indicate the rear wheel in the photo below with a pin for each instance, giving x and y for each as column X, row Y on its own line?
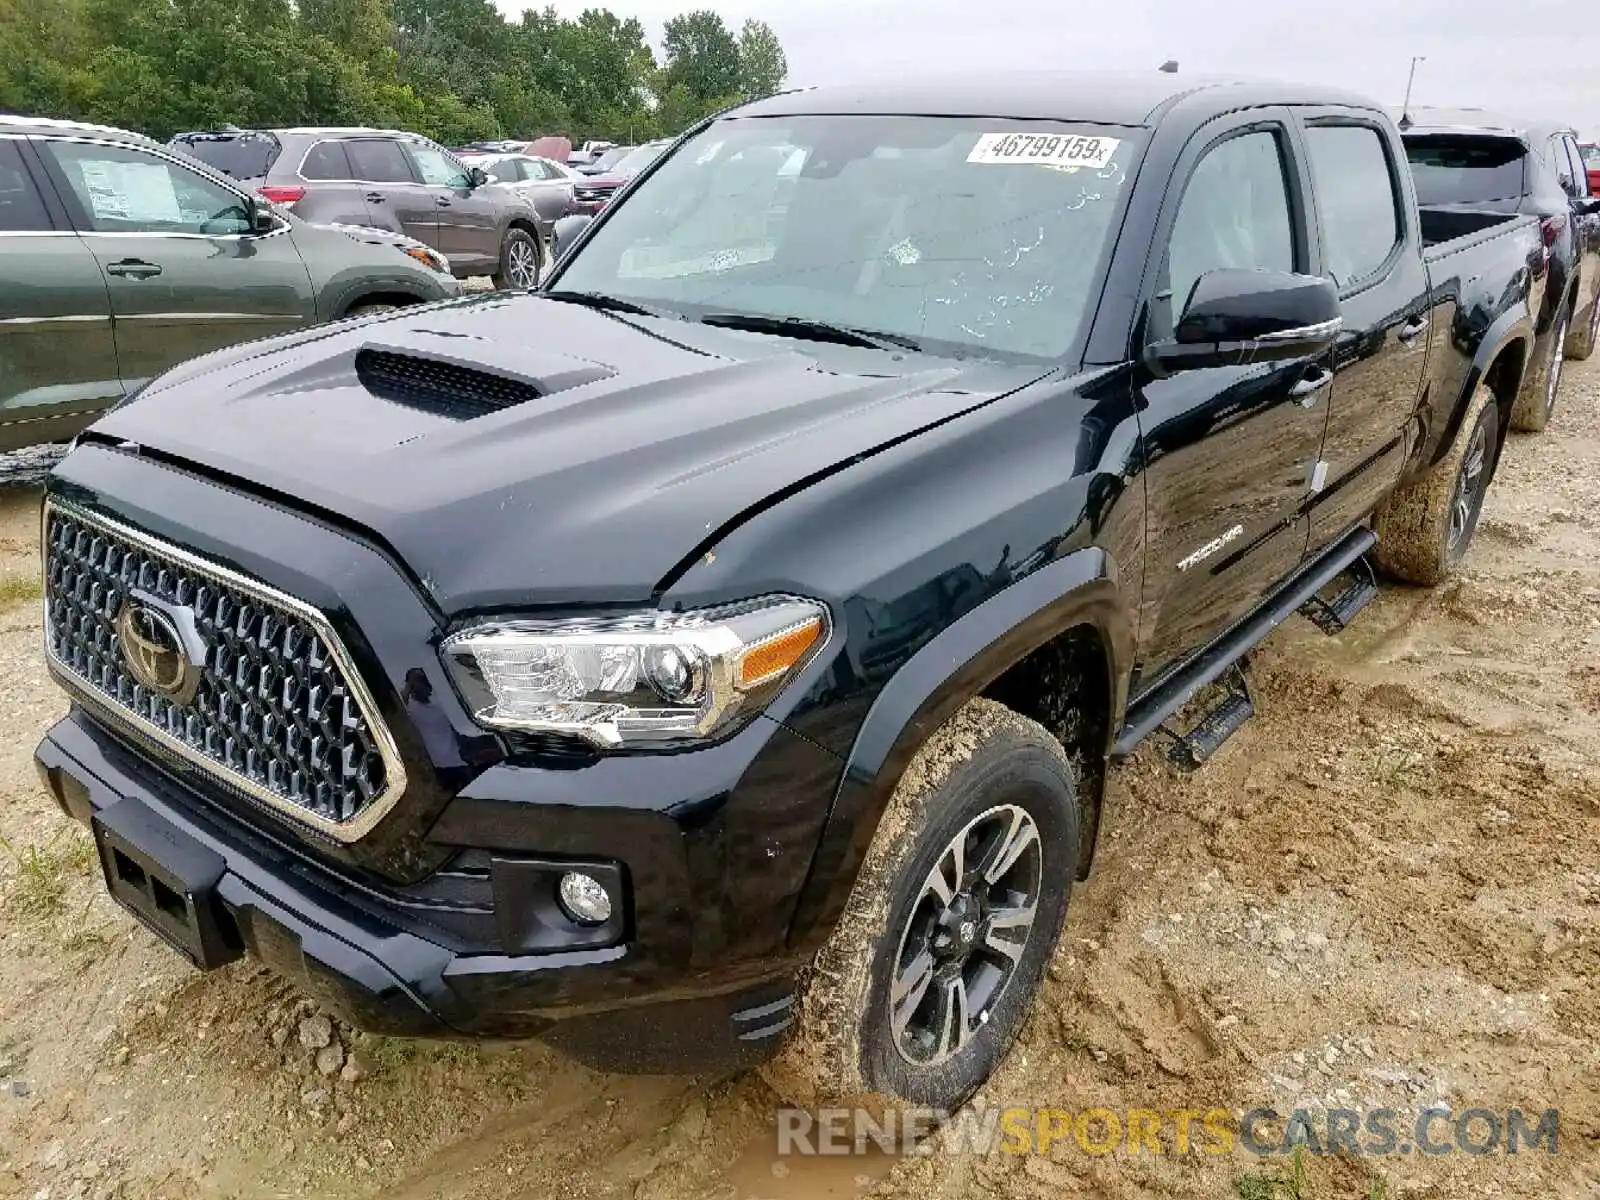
column 932, row 968
column 1536, row 404
column 1424, row 529
column 1581, row 343
column 519, row 261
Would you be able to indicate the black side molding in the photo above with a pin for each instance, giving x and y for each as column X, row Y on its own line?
column 1147, row 713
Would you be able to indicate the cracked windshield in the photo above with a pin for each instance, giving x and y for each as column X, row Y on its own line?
column 961, row 236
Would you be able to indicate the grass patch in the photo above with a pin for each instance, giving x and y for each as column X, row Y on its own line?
column 1278, row 1183
column 21, row 588
column 44, row 871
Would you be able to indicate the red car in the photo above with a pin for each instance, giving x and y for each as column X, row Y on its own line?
column 593, row 192
column 1591, row 165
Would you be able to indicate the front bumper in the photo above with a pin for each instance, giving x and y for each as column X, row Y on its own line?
column 613, row 1008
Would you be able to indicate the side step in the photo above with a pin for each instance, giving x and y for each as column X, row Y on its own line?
column 1226, row 717
column 1331, row 616
column 1151, row 710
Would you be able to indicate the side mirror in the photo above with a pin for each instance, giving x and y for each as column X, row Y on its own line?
column 1586, row 206
column 477, row 176
column 567, row 231
column 1236, row 317
column 262, row 218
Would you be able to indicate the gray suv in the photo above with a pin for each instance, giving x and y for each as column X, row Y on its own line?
column 389, row 180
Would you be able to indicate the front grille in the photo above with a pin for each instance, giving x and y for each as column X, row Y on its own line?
column 275, row 715
column 588, row 195
column 442, row 387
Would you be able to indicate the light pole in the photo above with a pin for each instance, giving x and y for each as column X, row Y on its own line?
column 1405, row 107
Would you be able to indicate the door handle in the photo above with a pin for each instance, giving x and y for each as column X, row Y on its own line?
column 134, row 268
column 374, row 197
column 1305, row 391
column 442, row 201
column 1413, row 329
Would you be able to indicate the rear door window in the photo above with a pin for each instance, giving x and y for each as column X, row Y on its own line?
column 1356, row 199
column 1456, row 169
column 327, row 160
column 379, row 160
column 21, row 207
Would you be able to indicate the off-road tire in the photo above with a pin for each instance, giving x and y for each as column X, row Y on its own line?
column 518, row 242
column 1416, row 541
column 1536, row 403
column 1581, row 341
column 843, row 1049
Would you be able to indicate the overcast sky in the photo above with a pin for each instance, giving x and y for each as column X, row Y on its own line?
column 1532, row 58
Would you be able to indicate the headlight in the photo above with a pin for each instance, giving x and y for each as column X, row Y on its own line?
column 428, row 257
column 646, row 679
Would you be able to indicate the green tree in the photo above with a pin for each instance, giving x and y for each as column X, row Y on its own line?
column 702, row 55
column 763, row 66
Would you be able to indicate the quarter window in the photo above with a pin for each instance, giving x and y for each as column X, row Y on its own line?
column 124, row 190
column 21, row 209
column 1357, row 199
column 379, row 160
column 327, row 160
column 1234, row 214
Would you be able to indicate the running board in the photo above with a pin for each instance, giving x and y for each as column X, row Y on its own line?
column 1224, row 719
column 1332, row 616
column 1151, row 710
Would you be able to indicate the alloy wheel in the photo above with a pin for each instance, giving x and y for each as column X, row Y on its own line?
column 521, row 266
column 1469, row 488
column 1557, row 357
column 965, row 935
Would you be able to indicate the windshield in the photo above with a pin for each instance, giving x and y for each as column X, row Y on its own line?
column 968, row 235
column 241, row 155
column 1466, row 169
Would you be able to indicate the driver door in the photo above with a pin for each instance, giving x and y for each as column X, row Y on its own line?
column 469, row 217
column 185, row 273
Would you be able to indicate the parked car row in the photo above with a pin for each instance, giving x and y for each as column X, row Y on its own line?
column 720, row 650
column 120, row 258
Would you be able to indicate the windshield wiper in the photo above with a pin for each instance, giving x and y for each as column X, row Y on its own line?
column 820, row 331
column 606, row 303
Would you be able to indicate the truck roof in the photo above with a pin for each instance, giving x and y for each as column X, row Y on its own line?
column 1424, row 119
column 1098, row 97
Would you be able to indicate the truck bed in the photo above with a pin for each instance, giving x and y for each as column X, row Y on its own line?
column 1445, row 225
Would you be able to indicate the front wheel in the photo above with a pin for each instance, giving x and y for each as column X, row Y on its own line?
column 1425, row 527
column 519, row 261
column 932, row 968
column 1581, row 342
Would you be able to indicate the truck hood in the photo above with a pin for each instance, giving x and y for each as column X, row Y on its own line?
column 643, row 437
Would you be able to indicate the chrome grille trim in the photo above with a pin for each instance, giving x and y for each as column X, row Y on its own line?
column 382, row 740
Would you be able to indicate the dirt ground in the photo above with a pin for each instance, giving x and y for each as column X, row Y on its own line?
column 1384, row 891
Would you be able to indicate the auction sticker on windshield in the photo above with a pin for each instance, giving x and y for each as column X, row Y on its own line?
column 1048, row 149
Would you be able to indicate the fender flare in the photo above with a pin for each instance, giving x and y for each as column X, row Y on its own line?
column 1514, row 324
column 1081, row 588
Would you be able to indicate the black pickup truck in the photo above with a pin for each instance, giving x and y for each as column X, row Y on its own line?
column 1468, row 162
column 730, row 640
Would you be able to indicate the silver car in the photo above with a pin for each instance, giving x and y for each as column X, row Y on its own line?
column 546, row 184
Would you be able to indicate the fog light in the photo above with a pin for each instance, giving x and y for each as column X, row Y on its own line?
column 584, row 898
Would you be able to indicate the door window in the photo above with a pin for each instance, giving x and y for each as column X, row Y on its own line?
column 21, row 208
column 379, row 160
column 1357, row 198
column 1234, row 213
column 437, row 169
column 533, row 169
column 504, row 171
column 125, row 190
column 1580, row 177
column 327, row 160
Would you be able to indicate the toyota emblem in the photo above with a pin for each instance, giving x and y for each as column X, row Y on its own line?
column 153, row 650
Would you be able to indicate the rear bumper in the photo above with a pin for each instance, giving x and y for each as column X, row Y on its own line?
column 384, row 976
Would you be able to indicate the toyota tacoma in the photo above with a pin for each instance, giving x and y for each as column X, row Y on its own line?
column 716, row 655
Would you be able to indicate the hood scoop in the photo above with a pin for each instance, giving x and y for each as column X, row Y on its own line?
column 467, row 377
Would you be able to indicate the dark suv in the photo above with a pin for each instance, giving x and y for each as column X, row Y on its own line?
column 1467, row 158
column 386, row 179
